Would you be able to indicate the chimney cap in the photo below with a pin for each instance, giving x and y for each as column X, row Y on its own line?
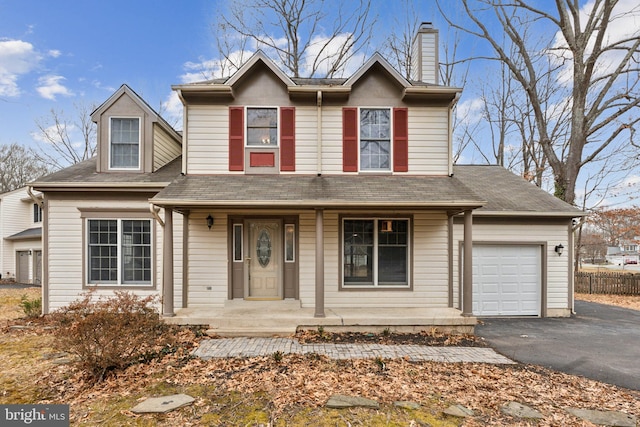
column 426, row 25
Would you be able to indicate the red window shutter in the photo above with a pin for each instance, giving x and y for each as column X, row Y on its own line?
column 350, row 140
column 236, row 138
column 288, row 139
column 400, row 140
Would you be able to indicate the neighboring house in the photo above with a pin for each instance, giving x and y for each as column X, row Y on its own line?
column 334, row 199
column 21, row 236
column 626, row 253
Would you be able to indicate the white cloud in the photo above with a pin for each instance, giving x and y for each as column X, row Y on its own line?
column 52, row 133
column 625, row 23
column 172, row 110
column 324, row 52
column 470, row 111
column 50, row 86
column 17, row 58
column 207, row 69
column 54, row 53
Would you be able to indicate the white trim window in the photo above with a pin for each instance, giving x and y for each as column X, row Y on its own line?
column 119, row 251
column 124, row 143
column 375, row 252
column 262, row 127
column 375, row 139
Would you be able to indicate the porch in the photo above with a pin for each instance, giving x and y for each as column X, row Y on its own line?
column 283, row 318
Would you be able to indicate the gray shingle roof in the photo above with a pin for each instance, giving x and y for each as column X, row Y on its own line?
column 506, row 192
column 317, row 191
column 29, row 233
column 85, row 173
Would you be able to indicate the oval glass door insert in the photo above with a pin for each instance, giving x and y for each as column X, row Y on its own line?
column 263, row 247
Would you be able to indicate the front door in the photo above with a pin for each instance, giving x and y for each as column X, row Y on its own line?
column 22, row 266
column 263, row 262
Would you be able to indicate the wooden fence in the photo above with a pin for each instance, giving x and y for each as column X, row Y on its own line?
column 607, row 283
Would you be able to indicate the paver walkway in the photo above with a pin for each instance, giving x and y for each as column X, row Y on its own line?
column 250, row 347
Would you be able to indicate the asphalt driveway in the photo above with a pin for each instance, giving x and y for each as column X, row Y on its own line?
column 600, row 342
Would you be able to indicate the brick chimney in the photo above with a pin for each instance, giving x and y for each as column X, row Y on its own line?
column 424, row 55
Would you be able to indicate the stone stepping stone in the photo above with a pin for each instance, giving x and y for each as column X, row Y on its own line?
column 519, row 410
column 404, row 404
column 604, row 418
column 459, row 411
column 339, row 401
column 162, row 404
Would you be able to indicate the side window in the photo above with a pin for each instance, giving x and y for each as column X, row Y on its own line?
column 37, row 213
column 375, row 139
column 124, row 143
column 262, row 127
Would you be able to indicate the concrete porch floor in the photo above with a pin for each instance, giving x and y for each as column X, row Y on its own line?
column 283, row 318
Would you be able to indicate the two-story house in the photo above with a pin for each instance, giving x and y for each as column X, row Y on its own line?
column 21, row 236
column 305, row 201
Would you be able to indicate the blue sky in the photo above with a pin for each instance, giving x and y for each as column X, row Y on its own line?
column 54, row 54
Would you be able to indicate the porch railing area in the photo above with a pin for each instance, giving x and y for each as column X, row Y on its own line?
column 607, row 283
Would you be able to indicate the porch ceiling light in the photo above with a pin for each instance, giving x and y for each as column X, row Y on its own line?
column 559, row 249
column 210, row 222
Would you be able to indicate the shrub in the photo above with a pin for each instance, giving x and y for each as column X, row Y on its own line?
column 109, row 333
column 31, row 307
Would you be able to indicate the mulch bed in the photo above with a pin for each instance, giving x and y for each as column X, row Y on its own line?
column 430, row 338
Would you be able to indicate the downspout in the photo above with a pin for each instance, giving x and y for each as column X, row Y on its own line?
column 319, row 130
column 35, row 199
column 154, row 211
column 450, row 118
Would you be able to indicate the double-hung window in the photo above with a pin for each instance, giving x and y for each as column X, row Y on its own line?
column 37, row 213
column 375, row 252
column 262, row 127
column 119, row 251
column 124, row 143
column 375, row 139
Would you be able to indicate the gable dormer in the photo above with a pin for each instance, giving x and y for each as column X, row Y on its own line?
column 132, row 137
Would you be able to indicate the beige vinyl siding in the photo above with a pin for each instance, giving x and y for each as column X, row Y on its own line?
column 208, row 260
column 558, row 274
column 67, row 249
column 165, row 148
column 428, row 136
column 307, row 258
column 332, row 140
column 306, row 140
column 429, row 261
column 208, row 146
column 16, row 215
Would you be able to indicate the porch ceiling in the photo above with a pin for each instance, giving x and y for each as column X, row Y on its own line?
column 312, row 191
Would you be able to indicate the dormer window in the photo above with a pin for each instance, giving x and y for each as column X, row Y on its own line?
column 124, row 152
column 262, row 127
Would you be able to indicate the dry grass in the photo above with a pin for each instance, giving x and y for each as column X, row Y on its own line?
column 291, row 390
column 625, row 301
column 10, row 301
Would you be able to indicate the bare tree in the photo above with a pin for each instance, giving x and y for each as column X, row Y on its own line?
column 58, row 148
column 595, row 75
column 308, row 37
column 397, row 48
column 18, row 167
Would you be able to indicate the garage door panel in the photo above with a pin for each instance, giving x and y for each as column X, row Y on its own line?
column 506, row 280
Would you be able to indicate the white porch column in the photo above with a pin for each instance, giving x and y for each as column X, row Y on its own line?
column 167, row 265
column 319, row 263
column 467, row 278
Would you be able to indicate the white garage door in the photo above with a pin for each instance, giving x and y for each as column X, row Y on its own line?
column 506, row 280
